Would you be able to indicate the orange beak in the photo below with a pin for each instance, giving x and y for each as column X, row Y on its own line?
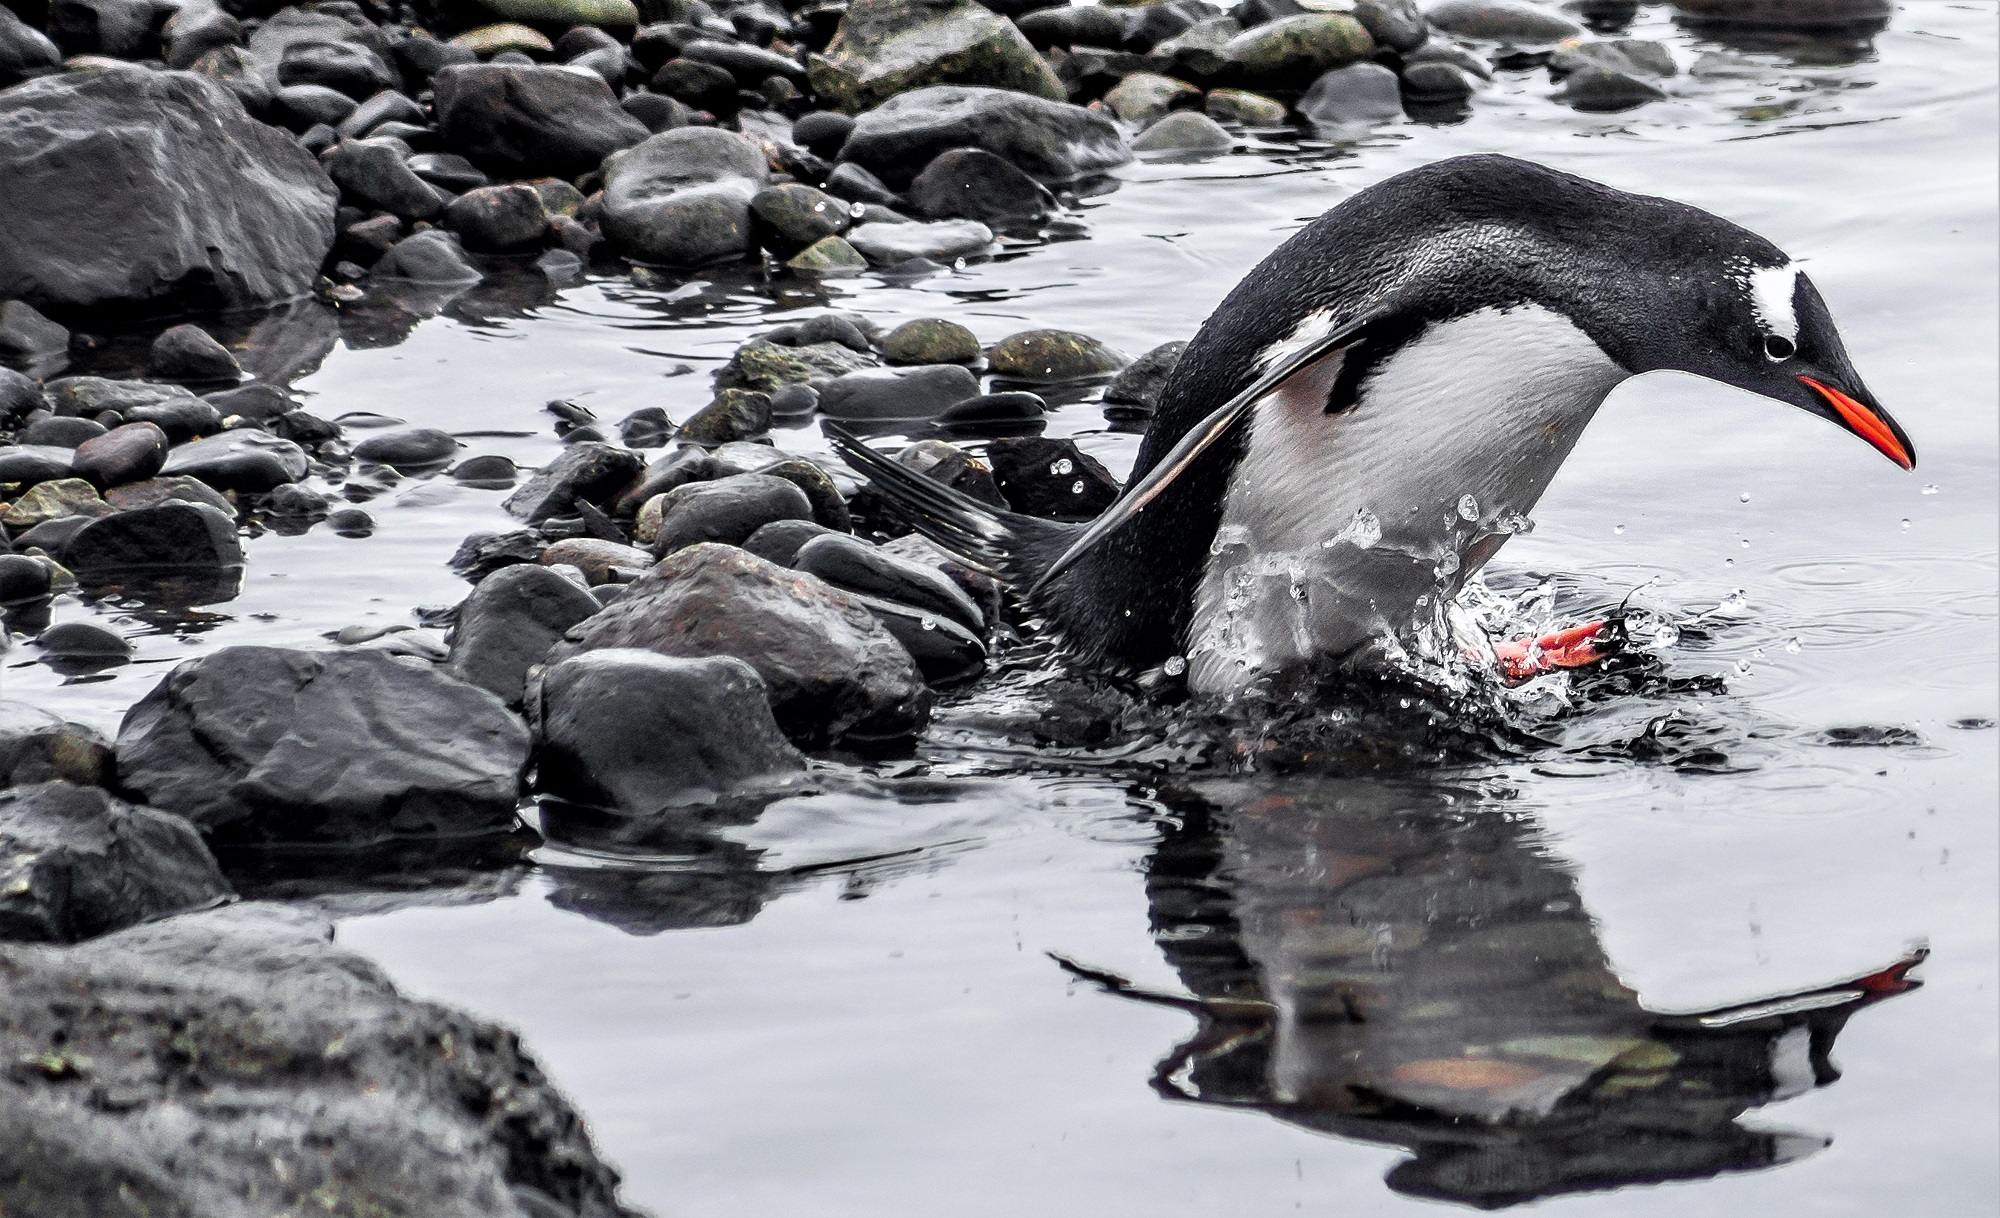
column 1870, row 425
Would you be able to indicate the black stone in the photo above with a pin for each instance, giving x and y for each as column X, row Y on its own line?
column 244, row 460
column 945, row 652
column 920, row 392
column 131, row 453
column 1051, row 141
column 973, row 184
column 427, row 257
column 447, row 170
column 169, row 537
column 481, row 554
column 727, row 510
column 779, row 541
column 509, row 623
column 528, row 121
column 42, row 463
column 408, row 448
column 853, row 564
column 305, row 108
column 1138, row 386
column 23, row 581
column 59, row 431
column 822, row 132
column 591, row 472
column 36, row 746
column 190, row 353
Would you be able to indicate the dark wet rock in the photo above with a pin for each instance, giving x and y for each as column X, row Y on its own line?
column 365, row 241
column 1013, row 412
column 408, row 448
column 305, row 109
column 855, row 184
column 780, row 541
column 28, row 465
column 1632, row 56
column 973, row 184
column 153, row 190
column 768, row 366
column 822, row 132
column 945, row 652
column 1794, row 15
column 1443, row 50
column 155, row 491
column 735, row 414
column 24, row 580
column 831, row 669
column 481, row 554
column 1513, row 21
column 82, row 641
column 795, row 216
column 168, row 538
column 682, row 198
column 640, row 732
column 427, row 257
column 36, row 746
column 727, row 510
column 388, row 106
column 611, row 63
column 342, row 66
column 1139, row 386
column 25, row 333
column 1242, row 106
column 498, row 219
column 1438, row 82
column 509, row 623
column 656, row 112
column 646, row 427
column 20, row 396
column 61, row 431
column 131, row 453
column 447, row 170
column 351, row 522
column 828, row 505
column 53, row 501
column 322, row 1086
column 233, row 69
column 828, row 258
column 601, row 561
column 854, row 565
column 1291, row 51
column 826, row 328
column 1198, row 53
column 523, row 121
column 747, row 65
column 1146, row 96
column 507, row 42
column 1051, row 478
column 270, row 744
column 1051, row 141
column 697, row 85
column 1094, row 25
column 376, row 174
column 119, row 29
column 189, row 353
column 931, row 340
column 182, row 419
column 1186, row 131
column 80, row 863
column 489, row 471
column 50, row 536
column 677, row 468
column 421, row 57
column 589, row 472
column 1357, row 94
column 951, row 465
column 25, row 52
column 246, row 460
column 88, row 396
column 1052, row 356
column 584, row 38
column 296, row 502
column 920, row 392
column 887, row 48
column 939, row 241
column 199, row 27
column 304, row 428
column 1604, row 90
column 617, row 14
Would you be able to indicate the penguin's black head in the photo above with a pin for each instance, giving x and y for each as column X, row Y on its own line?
column 1761, row 326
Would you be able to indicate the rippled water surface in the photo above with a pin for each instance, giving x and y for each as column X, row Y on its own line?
column 1518, row 982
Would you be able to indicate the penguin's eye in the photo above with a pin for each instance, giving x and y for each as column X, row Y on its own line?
column 1777, row 347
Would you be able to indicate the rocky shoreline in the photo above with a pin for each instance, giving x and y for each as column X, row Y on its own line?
column 696, row 631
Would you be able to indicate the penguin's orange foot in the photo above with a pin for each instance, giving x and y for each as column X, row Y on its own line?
column 1572, row 648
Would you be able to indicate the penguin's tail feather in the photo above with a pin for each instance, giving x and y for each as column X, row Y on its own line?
column 1014, row 547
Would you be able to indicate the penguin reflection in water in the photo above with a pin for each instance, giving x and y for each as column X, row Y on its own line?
column 1377, row 407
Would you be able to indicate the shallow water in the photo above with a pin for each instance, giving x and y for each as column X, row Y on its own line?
column 850, row 1005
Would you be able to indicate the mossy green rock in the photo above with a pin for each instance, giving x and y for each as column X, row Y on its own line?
column 565, row 13
column 1243, row 106
column 887, row 47
column 930, row 340
column 53, row 501
column 1050, row 356
column 766, row 366
column 489, row 40
column 1291, row 51
column 735, row 414
column 828, row 258
column 1145, row 96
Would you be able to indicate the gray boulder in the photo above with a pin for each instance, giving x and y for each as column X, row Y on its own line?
column 886, row 48
column 244, row 460
column 682, row 198
column 1142, row 382
column 589, row 471
column 727, row 510
column 831, row 669
column 974, row 184
column 153, row 190
column 1289, row 52
column 168, row 538
column 25, row 52
column 428, row 257
column 79, row 863
column 640, row 732
column 1051, row 141
column 499, row 219
column 886, row 244
column 375, row 176
column 235, row 1062
column 347, row 747
column 1515, row 21
column 522, row 121
column 1356, row 95
column 854, row 565
column 920, row 392
column 509, row 623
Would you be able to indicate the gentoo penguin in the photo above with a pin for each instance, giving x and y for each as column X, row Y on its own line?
column 1376, row 408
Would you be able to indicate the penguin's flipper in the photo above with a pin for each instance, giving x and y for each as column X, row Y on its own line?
column 1018, row 548
column 1203, row 435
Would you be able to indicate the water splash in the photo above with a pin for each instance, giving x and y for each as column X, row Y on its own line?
column 1364, row 532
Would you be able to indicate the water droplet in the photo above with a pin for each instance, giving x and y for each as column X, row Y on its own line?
column 1076, row 488
column 1665, row 635
column 1728, row 562
column 1736, row 604
column 1744, row 497
column 857, row 210
column 1063, row 466
column 1930, row 488
column 1617, row 528
column 1746, row 543
column 928, row 623
column 1513, row 523
column 1362, row 532
column 1174, row 666
column 1794, row 645
column 1906, row 522
column 1447, row 564
column 1468, row 508
column 958, row 264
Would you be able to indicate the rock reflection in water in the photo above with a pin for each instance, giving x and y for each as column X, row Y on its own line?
column 1413, row 966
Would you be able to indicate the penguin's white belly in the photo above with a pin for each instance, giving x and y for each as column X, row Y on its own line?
column 1339, row 530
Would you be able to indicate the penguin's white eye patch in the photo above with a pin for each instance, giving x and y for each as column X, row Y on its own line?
column 1778, row 348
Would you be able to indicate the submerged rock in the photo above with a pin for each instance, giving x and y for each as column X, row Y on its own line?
column 641, row 732
column 886, row 48
column 168, row 538
column 189, row 353
column 321, row 1088
column 78, row 863
column 831, row 670
column 427, row 257
column 349, row 747
column 1051, row 141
